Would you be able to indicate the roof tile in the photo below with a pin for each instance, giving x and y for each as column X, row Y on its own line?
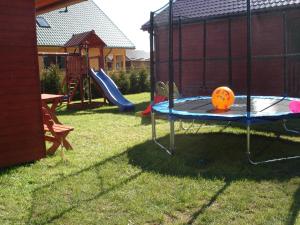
column 194, row 9
column 79, row 18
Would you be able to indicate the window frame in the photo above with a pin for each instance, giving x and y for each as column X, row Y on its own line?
column 42, row 24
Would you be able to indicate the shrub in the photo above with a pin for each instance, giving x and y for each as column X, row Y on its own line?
column 144, row 81
column 134, row 82
column 124, row 83
column 115, row 78
column 51, row 80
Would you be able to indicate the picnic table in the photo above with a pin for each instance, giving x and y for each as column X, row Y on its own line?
column 54, row 131
column 54, row 100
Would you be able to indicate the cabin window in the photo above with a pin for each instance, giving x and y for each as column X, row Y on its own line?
column 50, row 60
column 61, row 60
column 42, row 22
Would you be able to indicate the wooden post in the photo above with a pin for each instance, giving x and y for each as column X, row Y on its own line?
column 114, row 62
column 81, row 76
column 87, row 72
column 101, row 58
column 124, row 61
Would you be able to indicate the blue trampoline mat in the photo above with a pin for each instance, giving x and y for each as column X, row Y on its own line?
column 263, row 108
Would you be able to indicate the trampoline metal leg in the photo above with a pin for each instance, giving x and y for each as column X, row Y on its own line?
column 172, row 136
column 181, row 126
column 251, row 161
column 153, row 122
column 288, row 129
column 226, row 126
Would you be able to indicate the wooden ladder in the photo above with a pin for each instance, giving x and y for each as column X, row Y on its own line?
column 73, row 85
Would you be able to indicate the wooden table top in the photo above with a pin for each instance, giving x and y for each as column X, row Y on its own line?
column 50, row 97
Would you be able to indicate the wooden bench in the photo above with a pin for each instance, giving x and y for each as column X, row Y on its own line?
column 55, row 133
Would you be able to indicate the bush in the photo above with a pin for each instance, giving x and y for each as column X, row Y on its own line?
column 50, row 82
column 124, row 83
column 115, row 78
column 144, row 81
column 134, row 82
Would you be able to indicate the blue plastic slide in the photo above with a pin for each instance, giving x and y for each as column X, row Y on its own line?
column 111, row 90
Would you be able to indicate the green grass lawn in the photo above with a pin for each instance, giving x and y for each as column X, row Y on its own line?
column 116, row 175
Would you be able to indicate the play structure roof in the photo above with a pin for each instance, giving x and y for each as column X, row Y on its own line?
column 203, row 9
column 43, row 6
column 79, row 18
column 90, row 38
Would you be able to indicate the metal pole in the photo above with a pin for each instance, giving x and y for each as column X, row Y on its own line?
column 285, row 55
column 248, row 140
column 180, row 54
column 172, row 135
column 249, row 74
column 249, row 57
column 204, row 54
column 171, row 69
column 153, row 122
column 152, row 78
column 229, row 54
column 171, row 77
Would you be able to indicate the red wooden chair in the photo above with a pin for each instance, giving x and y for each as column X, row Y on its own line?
column 55, row 133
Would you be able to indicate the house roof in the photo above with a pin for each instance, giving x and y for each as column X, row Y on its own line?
column 138, row 55
column 79, row 18
column 201, row 9
column 43, row 6
column 90, row 38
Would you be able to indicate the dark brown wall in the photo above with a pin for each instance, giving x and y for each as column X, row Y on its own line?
column 200, row 77
column 21, row 136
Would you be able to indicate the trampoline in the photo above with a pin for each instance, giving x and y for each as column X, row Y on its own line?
column 181, row 45
column 264, row 109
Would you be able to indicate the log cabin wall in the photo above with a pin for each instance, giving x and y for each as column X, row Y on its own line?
column 21, row 132
column 206, row 52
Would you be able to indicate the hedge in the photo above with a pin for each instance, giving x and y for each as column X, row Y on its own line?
column 131, row 82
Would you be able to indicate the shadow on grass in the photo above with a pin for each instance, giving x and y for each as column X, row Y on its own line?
column 200, row 211
column 103, row 109
column 52, row 201
column 275, row 127
column 12, row 169
column 295, row 208
column 209, row 156
column 221, row 156
column 218, row 155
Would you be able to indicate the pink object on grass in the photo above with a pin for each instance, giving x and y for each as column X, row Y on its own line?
column 294, row 106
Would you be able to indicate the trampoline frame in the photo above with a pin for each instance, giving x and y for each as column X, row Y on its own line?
column 171, row 148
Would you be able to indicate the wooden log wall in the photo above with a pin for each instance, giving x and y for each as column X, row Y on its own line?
column 21, row 132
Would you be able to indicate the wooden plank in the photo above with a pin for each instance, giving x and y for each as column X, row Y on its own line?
column 43, row 6
column 21, row 127
column 9, row 157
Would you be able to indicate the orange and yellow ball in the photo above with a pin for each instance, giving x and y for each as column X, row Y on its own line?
column 222, row 98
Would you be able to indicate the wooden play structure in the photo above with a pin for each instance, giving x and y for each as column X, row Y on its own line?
column 21, row 133
column 78, row 65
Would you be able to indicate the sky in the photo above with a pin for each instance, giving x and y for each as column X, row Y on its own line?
column 130, row 15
